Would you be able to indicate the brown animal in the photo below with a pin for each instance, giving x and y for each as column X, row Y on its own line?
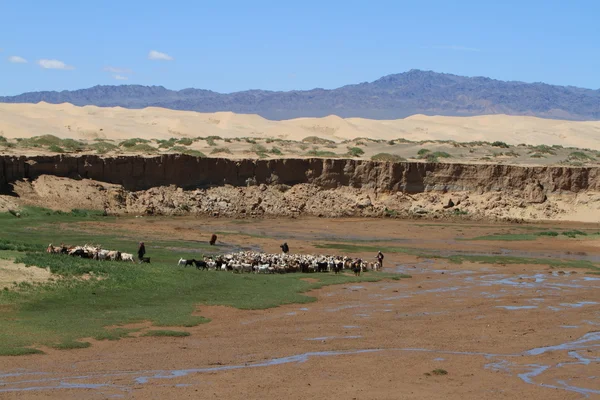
column 213, row 239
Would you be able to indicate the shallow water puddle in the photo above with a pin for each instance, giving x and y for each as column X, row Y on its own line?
column 507, row 363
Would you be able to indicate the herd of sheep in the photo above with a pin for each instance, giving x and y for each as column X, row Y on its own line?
column 92, row 252
column 244, row 261
column 248, row 261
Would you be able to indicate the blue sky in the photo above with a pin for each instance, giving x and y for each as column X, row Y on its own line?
column 282, row 45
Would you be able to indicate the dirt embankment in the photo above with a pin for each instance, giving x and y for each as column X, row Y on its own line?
column 183, row 184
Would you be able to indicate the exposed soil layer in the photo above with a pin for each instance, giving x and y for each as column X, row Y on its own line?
column 498, row 331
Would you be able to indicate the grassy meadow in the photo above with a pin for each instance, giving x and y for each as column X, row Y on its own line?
column 85, row 297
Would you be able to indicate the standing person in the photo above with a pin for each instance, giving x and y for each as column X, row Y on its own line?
column 380, row 259
column 285, row 248
column 141, row 251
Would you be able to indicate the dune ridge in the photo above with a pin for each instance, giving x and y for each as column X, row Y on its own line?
column 117, row 123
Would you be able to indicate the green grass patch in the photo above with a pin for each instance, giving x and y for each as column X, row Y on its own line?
column 59, row 313
column 185, row 141
column 166, row 333
column 115, row 334
column 19, row 351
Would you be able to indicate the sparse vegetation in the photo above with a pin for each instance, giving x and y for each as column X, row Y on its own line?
column 129, row 143
column 55, row 149
column 355, row 151
column 500, row 144
column 103, row 147
column 185, row 141
column 220, row 150
column 580, row 156
column 142, row 148
column 421, row 153
column 387, row 157
column 276, row 151
column 442, row 154
column 320, row 153
column 317, row 140
column 543, row 149
column 166, row 333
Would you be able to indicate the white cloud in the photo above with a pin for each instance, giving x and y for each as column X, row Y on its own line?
column 17, row 60
column 120, row 77
column 456, row 48
column 157, row 55
column 117, row 70
column 54, row 64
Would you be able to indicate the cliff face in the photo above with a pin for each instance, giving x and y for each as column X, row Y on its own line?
column 139, row 173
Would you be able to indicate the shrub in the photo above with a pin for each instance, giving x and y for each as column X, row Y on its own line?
column 317, row 140
column 442, row 154
column 500, row 144
column 276, row 151
column 185, row 141
column 143, row 148
column 166, row 144
column 320, row 153
column 259, row 148
column 56, row 149
column 543, row 149
column 218, row 150
column 132, row 142
column 72, row 145
column 3, row 139
column 103, row 147
column 355, row 151
column 431, row 158
column 422, row 152
column 387, row 157
column 580, row 155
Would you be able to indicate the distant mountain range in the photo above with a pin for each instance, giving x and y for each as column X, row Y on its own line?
column 391, row 97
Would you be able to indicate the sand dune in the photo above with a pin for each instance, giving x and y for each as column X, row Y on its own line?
column 89, row 122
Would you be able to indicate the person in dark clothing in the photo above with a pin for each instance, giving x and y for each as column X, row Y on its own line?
column 380, row 259
column 141, row 251
column 285, row 248
column 213, row 240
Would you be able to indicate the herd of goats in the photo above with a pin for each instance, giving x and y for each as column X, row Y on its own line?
column 244, row 261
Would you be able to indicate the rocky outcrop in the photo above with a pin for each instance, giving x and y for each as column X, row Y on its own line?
column 142, row 173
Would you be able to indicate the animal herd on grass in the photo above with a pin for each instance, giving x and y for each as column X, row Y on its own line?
column 240, row 262
column 92, row 252
column 255, row 262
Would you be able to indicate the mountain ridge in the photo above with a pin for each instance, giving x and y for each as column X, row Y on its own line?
column 389, row 97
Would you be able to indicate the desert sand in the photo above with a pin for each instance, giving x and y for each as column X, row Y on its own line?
column 116, row 123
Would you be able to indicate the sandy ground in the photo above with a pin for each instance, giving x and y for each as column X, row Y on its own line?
column 499, row 331
column 90, row 122
column 11, row 273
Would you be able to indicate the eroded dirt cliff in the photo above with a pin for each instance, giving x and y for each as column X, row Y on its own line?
column 181, row 184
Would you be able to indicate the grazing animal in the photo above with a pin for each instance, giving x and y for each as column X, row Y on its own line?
column 201, row 265
column 213, row 239
column 145, row 260
column 127, row 257
column 186, row 263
